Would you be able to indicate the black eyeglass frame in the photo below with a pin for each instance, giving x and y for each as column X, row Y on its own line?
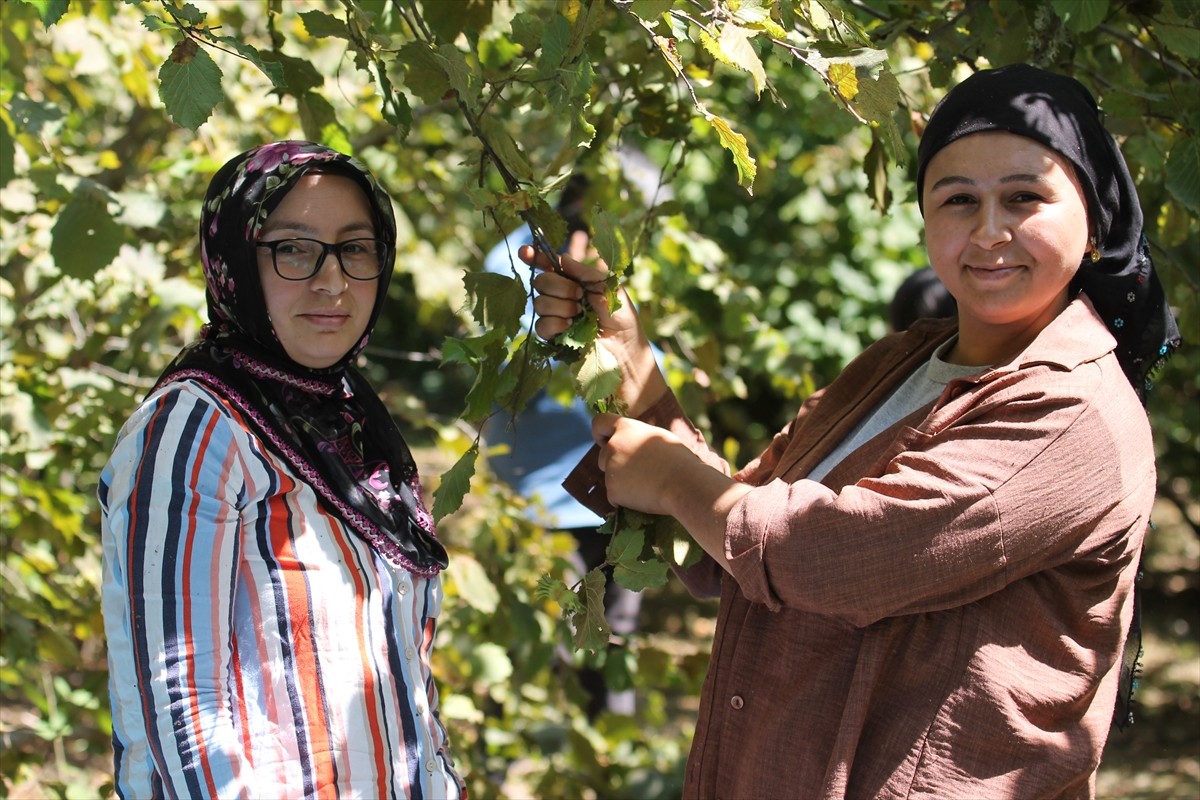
column 326, row 249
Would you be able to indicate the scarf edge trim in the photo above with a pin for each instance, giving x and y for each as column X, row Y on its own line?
column 363, row 526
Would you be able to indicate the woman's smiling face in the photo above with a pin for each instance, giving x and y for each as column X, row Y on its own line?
column 321, row 319
column 1006, row 226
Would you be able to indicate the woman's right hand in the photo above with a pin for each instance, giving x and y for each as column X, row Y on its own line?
column 560, row 293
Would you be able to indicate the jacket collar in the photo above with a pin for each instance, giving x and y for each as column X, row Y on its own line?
column 1076, row 336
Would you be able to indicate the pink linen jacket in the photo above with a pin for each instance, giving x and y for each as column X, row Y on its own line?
column 943, row 615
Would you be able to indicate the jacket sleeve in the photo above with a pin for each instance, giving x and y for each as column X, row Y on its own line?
column 586, row 481
column 1017, row 477
column 170, row 496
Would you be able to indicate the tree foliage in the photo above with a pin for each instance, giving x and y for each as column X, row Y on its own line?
column 777, row 221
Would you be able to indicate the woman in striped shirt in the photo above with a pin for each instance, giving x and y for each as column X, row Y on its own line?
column 271, row 576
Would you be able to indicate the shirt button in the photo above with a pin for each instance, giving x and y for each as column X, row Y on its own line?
column 737, row 702
column 403, row 588
column 430, row 765
column 410, row 654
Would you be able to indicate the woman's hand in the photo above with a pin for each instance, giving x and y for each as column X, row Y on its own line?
column 639, row 462
column 561, row 292
column 649, row 469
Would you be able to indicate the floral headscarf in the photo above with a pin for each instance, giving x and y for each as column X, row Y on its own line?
column 328, row 424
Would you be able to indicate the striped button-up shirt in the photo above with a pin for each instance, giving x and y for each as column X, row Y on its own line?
column 256, row 646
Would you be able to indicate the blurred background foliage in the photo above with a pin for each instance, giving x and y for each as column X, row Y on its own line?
column 757, row 298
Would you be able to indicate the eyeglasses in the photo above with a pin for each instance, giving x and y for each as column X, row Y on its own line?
column 301, row 259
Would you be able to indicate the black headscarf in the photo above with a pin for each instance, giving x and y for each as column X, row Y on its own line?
column 328, row 424
column 1059, row 113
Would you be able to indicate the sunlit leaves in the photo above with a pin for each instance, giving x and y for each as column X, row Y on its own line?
column 597, row 376
column 50, row 11
column 190, row 84
column 735, row 49
column 609, row 240
column 844, row 79
column 472, row 584
column 735, row 143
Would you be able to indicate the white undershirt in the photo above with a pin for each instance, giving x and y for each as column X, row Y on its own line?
column 922, row 387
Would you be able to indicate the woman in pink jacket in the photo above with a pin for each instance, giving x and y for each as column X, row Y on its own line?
column 927, row 579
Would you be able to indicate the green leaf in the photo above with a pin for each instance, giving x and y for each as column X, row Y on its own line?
column 448, row 19
column 527, row 29
column 734, row 49
column 735, row 143
column 189, row 85
column 299, row 75
column 85, row 238
column 456, row 481
column 504, row 148
column 1183, row 172
column 1181, row 39
column 626, row 545
column 650, row 10
column 424, row 72
column 458, row 72
column 641, row 575
column 467, row 350
column 8, row 151
column 50, row 11
column 473, row 584
column 34, row 117
column 625, row 554
column 528, row 378
column 549, row 588
column 496, row 52
column 591, row 628
column 497, row 301
column 844, row 79
column 489, row 382
column 555, row 38
column 549, row 222
column 609, row 239
column 875, row 166
column 877, row 100
column 321, row 124
column 190, row 14
column 597, row 375
column 271, row 68
column 320, row 25
column 581, row 334
column 1080, row 16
